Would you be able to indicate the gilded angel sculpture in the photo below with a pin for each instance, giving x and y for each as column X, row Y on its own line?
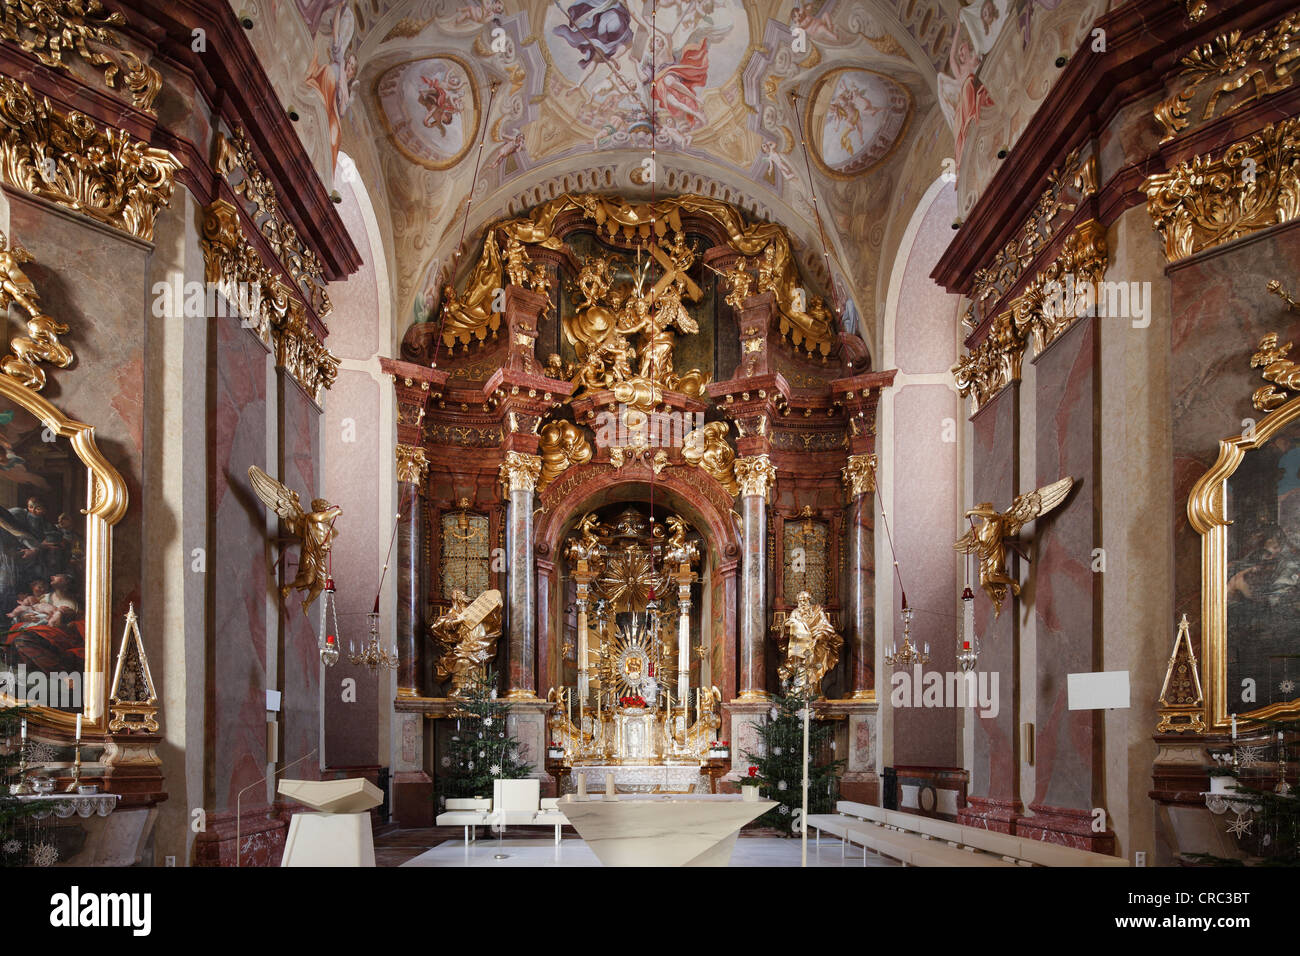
column 811, row 647
column 468, row 634
column 997, row 532
column 315, row 528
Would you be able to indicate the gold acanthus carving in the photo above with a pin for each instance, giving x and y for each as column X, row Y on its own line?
column 520, row 471
column 996, row 534
column 1195, row 8
column 706, row 448
column 1258, row 66
column 755, row 475
column 49, row 28
column 563, row 444
column 468, row 314
column 65, row 158
column 1204, row 202
column 41, row 344
column 412, row 464
column 314, row 529
column 271, row 308
column 1063, row 291
column 1278, row 371
column 235, row 155
column 860, row 475
column 1075, row 180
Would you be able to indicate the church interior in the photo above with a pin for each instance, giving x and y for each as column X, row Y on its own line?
column 757, row 433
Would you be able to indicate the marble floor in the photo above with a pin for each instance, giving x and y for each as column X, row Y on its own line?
column 523, row 851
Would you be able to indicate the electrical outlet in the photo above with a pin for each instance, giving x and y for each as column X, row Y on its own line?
column 169, row 861
column 1140, row 858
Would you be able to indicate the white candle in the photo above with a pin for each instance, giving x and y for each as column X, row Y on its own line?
column 1234, row 726
column 78, row 728
column 609, row 785
column 24, row 729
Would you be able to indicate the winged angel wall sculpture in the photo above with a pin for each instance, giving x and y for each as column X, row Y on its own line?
column 314, row 529
column 996, row 533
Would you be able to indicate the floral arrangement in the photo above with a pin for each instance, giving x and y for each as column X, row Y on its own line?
column 632, row 701
column 752, row 780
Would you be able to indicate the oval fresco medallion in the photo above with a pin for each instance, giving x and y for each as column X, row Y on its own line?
column 855, row 117
column 430, row 109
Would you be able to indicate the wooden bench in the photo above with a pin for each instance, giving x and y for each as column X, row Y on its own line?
column 925, row 841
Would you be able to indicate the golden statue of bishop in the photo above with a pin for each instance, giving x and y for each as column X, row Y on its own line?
column 467, row 634
column 810, row 647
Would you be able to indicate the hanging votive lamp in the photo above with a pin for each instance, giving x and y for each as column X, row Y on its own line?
column 328, row 643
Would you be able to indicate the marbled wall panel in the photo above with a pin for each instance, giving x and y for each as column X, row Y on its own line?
column 924, row 525
column 1221, row 309
column 352, row 480
column 240, row 578
column 1062, row 585
column 993, row 462
column 300, row 667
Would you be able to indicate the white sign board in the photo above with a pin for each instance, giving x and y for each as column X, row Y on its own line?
column 1103, row 690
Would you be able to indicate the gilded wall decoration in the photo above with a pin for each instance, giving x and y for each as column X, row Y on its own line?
column 465, row 553
column 1278, row 370
column 41, row 344
column 314, row 530
column 1074, row 181
column 992, row 365
column 1230, row 73
column 464, row 436
column 706, row 448
column 65, row 158
column 49, row 28
column 412, row 464
column 467, row 315
column 1205, row 202
column 562, row 445
column 234, row 155
column 272, row 310
column 995, row 535
column 860, row 475
column 519, row 471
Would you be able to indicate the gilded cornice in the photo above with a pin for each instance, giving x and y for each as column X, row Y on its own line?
column 755, row 475
column 41, row 344
column 860, row 475
column 65, row 158
column 1065, row 289
column 1204, row 202
column 269, row 307
column 1233, row 72
column 234, row 161
column 1067, row 186
column 519, row 472
column 49, row 28
column 412, row 465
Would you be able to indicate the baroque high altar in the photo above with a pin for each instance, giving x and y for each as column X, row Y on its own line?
column 640, row 423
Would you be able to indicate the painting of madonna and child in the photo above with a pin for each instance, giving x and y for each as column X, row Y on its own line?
column 42, row 563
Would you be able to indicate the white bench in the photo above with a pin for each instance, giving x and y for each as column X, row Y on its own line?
column 513, row 803
column 925, row 841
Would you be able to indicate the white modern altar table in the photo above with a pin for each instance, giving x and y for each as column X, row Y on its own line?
column 662, row 830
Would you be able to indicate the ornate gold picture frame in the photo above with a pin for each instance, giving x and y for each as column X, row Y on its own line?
column 1259, row 563
column 105, row 504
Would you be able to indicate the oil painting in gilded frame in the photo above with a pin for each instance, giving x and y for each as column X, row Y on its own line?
column 1247, row 510
column 59, row 500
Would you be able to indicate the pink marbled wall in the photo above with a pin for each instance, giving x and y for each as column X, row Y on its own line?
column 1062, row 588
column 238, row 572
column 995, row 771
column 299, row 658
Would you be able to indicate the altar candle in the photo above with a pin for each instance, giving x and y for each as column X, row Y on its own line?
column 78, row 728
column 1234, row 726
column 24, row 730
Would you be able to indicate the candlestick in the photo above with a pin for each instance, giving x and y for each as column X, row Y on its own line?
column 76, row 767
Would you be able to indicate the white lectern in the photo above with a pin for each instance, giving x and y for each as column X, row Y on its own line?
column 340, row 834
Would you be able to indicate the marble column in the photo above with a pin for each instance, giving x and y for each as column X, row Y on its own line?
column 519, row 474
column 860, row 476
column 412, row 466
column 756, row 476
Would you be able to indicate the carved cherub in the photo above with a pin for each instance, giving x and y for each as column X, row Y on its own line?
column 996, row 532
column 314, row 528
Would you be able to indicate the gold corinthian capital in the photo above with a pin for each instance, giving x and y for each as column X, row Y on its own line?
column 519, row 471
column 860, row 475
column 755, row 475
column 412, row 465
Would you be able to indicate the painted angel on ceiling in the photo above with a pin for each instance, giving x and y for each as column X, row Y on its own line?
column 676, row 86
column 598, row 30
column 441, row 103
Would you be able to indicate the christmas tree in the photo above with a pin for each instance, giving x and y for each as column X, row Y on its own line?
column 15, row 836
column 780, row 776
column 481, row 748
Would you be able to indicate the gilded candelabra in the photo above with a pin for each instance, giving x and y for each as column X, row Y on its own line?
column 909, row 654
column 373, row 655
